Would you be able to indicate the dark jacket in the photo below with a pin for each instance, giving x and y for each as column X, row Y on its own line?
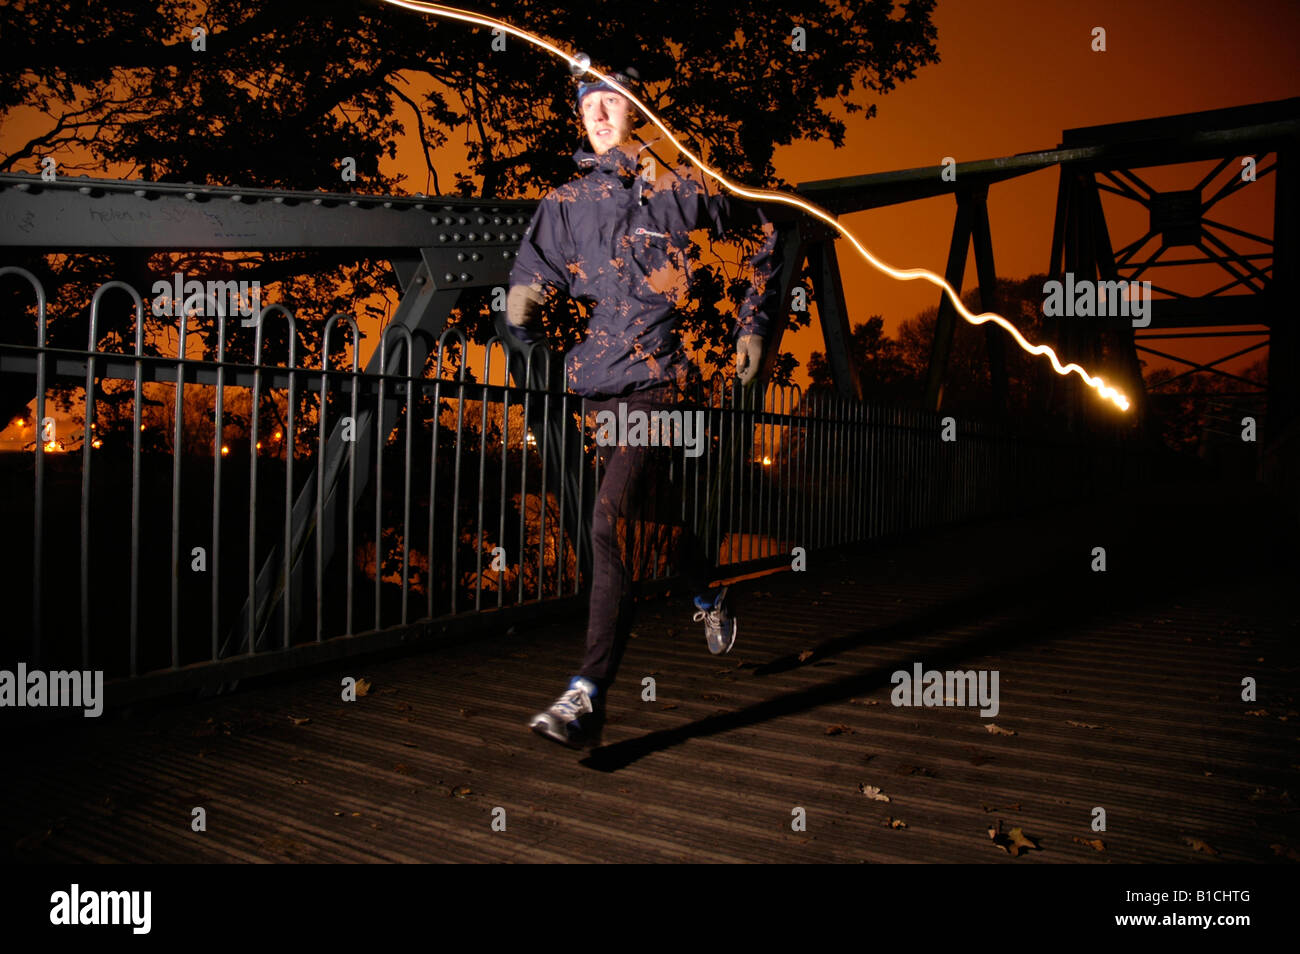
column 619, row 241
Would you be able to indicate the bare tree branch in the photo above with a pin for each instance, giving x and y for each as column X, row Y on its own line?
column 424, row 141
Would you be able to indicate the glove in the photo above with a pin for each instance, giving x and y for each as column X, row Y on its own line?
column 749, row 355
column 523, row 302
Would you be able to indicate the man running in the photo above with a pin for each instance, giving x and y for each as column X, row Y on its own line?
column 615, row 238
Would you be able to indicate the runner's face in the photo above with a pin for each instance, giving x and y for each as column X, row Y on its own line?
column 608, row 119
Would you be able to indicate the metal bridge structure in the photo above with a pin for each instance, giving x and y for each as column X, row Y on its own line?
column 839, row 468
column 1247, row 143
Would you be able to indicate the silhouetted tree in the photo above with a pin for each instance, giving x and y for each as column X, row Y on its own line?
column 282, row 92
column 882, row 370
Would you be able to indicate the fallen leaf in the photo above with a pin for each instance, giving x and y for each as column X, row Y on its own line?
column 1197, row 845
column 1285, row 851
column 805, row 655
column 897, row 823
column 840, row 729
column 872, row 792
column 998, row 730
column 1095, row 843
column 1081, row 725
column 363, row 687
column 461, row 791
column 297, row 721
column 1015, row 842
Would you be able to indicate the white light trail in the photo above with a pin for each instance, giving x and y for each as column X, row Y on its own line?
column 901, row 274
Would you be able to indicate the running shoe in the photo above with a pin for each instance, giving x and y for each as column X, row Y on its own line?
column 571, row 719
column 720, row 627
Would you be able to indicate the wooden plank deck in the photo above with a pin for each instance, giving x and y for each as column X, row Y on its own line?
column 1122, row 690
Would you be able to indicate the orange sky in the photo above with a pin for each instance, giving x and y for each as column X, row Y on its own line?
column 1014, row 73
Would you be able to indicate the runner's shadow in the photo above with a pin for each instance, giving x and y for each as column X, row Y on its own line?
column 957, row 612
column 1043, row 615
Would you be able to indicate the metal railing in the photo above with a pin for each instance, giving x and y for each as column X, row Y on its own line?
column 329, row 511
